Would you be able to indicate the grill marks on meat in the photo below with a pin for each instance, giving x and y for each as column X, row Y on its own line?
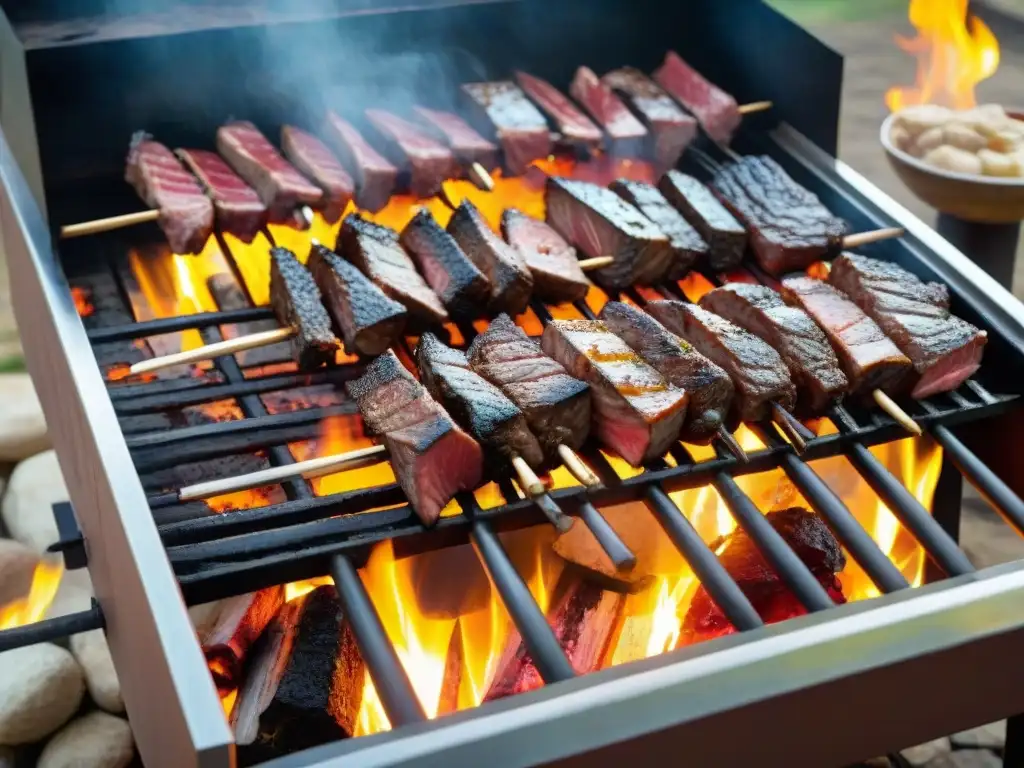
column 375, row 177
column 812, row 363
column 717, row 111
column 504, row 267
column 240, row 211
column 626, row 134
column 492, row 418
column 574, row 126
column 757, row 371
column 281, row 188
column 708, row 385
column 369, row 322
column 186, row 213
column 600, row 223
column 557, row 406
column 557, row 275
column 432, row 458
column 376, row 251
column 944, row 350
column 636, row 412
column 466, row 144
column 869, row 357
column 295, row 299
column 726, row 238
column 462, row 287
column 502, row 110
column 313, row 158
column 789, row 227
column 427, row 161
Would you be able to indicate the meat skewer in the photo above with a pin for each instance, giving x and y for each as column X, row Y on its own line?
column 375, row 177
column 502, row 111
column 313, row 158
column 425, row 160
column 626, row 134
column 478, row 154
column 572, row 124
column 557, row 274
column 239, row 210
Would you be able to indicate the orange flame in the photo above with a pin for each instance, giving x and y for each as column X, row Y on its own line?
column 33, row 607
column 83, row 301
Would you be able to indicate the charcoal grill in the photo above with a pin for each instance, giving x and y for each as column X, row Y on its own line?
column 841, row 684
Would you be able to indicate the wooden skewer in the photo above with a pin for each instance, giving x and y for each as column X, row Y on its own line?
column 755, row 106
column 784, row 419
column 732, row 444
column 106, row 225
column 898, row 415
column 596, row 263
column 874, row 236
column 579, row 470
column 210, row 351
column 535, row 489
column 481, row 177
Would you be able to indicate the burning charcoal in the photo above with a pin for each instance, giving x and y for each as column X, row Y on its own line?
column 369, row 322
column 726, row 237
column 375, row 177
column 310, row 156
column 427, row 161
column 186, row 213
column 500, row 109
column 296, row 302
column 627, row 135
column 240, row 212
column 240, row 623
column 556, row 271
column 462, row 287
column 574, row 126
column 716, row 110
column 466, row 144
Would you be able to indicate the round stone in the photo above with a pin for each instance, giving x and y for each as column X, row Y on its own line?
column 22, row 425
column 17, row 564
column 41, row 687
column 95, row 740
column 35, row 486
column 93, row 654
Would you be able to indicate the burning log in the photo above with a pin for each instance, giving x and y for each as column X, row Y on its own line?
column 240, row 623
column 452, row 679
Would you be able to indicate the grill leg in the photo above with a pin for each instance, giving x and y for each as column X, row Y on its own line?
column 993, row 247
column 1013, row 755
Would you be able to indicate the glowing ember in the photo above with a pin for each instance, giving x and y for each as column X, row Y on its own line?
column 83, row 301
column 33, row 607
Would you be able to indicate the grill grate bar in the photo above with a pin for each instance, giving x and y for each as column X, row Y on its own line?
column 200, row 320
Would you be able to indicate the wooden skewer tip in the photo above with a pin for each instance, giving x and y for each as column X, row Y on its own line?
column 898, row 415
column 874, row 236
column 210, row 351
column 596, row 263
column 755, row 106
column 528, row 478
column 732, row 444
column 579, row 470
column 110, row 223
column 481, row 177
column 785, row 422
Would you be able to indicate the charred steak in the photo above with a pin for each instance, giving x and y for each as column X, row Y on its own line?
column 717, row 111
column 575, row 127
column 626, row 135
column 501, row 110
column 726, row 237
column 295, row 300
column 375, row 177
column 427, row 161
column 307, row 153
column 240, row 211
column 556, row 271
column 466, row 144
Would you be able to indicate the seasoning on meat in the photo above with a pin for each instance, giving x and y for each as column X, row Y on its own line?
column 708, row 385
column 504, row 267
column 376, row 251
column 494, row 420
column 557, row 275
column 636, row 412
column 791, row 332
column 869, row 358
column 600, row 223
column 789, row 227
column 313, row 158
column 462, row 288
column 432, row 458
column 557, row 406
column 240, row 211
column 375, row 177
column 427, row 161
column 574, row 126
column 945, row 350
column 295, row 300
column 717, row 111
column 627, row 135
column 369, row 322
column 466, row 144
column 726, row 237
column 757, row 371
column 501, row 110
column 186, row 213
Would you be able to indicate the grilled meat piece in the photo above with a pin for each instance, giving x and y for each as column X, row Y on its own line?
column 186, row 213
column 432, row 458
column 375, row 177
column 717, row 111
column 504, row 267
column 790, row 331
column 466, row 144
column 757, row 371
column 944, row 350
column 687, row 244
column 671, row 129
column 600, row 223
column 281, row 188
column 313, row 158
column 427, row 161
column 501, row 110
column 494, row 420
column 239, row 209
column 376, row 251
column 368, row 321
column 869, row 358
column 556, row 405
column 789, row 227
column 626, row 135
column 708, row 385
column 556, row 271
column 295, row 300
column 636, row 412
column 726, row 237
column 462, row 288
column 574, row 126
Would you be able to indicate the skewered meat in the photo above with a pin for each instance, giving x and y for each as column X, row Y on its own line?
column 504, row 267
column 375, row 177
column 376, row 251
column 186, row 213
column 427, row 161
column 240, row 211
column 368, row 321
column 789, row 227
column 757, row 371
column 466, row 144
column 494, row 420
column 627, row 135
column 945, row 350
column 600, row 223
column 432, row 458
column 313, row 158
column 295, row 300
column 556, row 405
column 812, row 363
column 281, row 188
column 556, row 271
column 869, row 358
column 708, row 385
column 502, row 110
column 687, row 244
column 671, row 129
column 726, row 237
column 462, row 287
column 574, row 126
column 717, row 111
column 636, row 412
